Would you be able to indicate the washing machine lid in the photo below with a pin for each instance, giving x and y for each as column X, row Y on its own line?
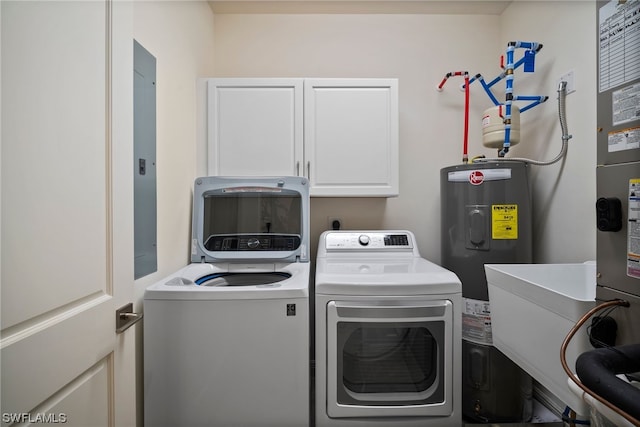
column 250, row 219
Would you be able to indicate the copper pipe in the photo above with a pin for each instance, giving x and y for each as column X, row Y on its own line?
column 574, row 378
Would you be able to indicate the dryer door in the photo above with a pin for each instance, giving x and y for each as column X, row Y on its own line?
column 389, row 360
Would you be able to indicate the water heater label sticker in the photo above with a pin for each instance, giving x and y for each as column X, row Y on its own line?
column 626, row 139
column 625, row 104
column 504, row 222
column 633, row 237
column 476, row 321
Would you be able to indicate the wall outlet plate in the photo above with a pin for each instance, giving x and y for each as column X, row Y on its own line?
column 568, row 77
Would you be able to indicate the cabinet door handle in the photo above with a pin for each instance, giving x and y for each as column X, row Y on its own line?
column 298, row 168
column 309, row 169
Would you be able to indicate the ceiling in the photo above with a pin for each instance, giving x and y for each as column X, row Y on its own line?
column 435, row 7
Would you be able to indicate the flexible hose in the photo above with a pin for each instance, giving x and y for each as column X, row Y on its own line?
column 598, row 369
column 573, row 377
column 562, row 94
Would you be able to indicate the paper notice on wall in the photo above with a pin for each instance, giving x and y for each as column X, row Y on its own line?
column 626, row 139
column 476, row 321
column 633, row 237
column 619, row 24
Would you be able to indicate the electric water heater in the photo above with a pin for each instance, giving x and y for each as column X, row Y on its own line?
column 486, row 219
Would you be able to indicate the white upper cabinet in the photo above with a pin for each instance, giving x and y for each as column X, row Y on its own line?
column 342, row 134
column 255, row 127
column 351, row 136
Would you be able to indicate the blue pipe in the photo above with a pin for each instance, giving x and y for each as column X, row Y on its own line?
column 533, row 46
column 532, row 49
column 536, row 100
column 499, row 77
column 508, row 99
column 567, row 419
column 520, row 62
column 511, row 47
column 487, row 89
column 530, row 98
column 496, row 80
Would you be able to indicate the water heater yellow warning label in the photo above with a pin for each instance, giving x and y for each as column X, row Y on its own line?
column 504, row 222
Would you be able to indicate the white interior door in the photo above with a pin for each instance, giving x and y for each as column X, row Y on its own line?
column 67, row 251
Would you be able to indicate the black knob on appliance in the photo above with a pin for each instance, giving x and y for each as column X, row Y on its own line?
column 253, row 243
column 609, row 214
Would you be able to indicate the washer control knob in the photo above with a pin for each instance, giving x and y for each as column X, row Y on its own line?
column 253, row 243
column 363, row 239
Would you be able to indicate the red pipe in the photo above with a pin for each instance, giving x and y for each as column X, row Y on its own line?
column 465, row 156
column 465, row 143
column 443, row 82
column 454, row 73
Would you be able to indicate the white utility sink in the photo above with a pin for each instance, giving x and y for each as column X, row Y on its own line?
column 533, row 307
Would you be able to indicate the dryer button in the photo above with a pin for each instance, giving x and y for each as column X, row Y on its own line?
column 364, row 269
column 363, row 239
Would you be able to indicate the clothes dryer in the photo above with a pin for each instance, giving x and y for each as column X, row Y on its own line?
column 388, row 333
column 226, row 338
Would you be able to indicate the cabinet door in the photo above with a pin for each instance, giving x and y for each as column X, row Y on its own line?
column 255, row 127
column 351, row 136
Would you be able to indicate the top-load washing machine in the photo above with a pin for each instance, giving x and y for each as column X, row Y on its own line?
column 226, row 339
column 388, row 333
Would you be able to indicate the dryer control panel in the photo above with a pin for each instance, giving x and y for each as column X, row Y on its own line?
column 368, row 240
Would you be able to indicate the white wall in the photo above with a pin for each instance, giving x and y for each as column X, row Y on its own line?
column 564, row 193
column 418, row 49
column 180, row 36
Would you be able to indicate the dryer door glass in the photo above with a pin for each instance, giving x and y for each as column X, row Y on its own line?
column 382, row 362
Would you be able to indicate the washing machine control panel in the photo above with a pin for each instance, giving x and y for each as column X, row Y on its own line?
column 368, row 241
column 252, row 242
